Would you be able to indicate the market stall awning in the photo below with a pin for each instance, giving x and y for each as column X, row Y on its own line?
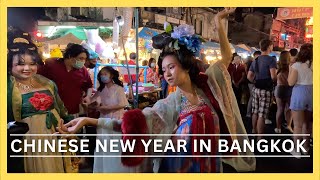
column 238, row 49
column 64, row 40
column 210, row 44
column 248, row 48
column 147, row 33
column 255, row 49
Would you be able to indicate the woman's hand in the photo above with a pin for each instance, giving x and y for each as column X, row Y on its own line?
column 224, row 13
column 86, row 100
column 72, row 127
column 223, row 39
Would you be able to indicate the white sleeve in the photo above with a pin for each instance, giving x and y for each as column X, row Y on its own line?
column 107, row 123
column 295, row 66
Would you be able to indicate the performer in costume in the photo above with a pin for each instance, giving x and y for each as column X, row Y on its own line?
column 204, row 103
column 33, row 99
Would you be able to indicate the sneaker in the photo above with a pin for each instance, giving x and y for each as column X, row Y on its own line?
column 278, row 131
column 267, row 121
column 296, row 154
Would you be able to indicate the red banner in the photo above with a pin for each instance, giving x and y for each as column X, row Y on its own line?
column 294, row 12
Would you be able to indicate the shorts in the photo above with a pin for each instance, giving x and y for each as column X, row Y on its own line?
column 261, row 102
column 301, row 98
column 283, row 92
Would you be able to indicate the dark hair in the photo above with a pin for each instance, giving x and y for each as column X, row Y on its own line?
column 283, row 63
column 234, row 55
column 183, row 55
column 74, row 50
column 305, row 53
column 293, row 52
column 20, row 43
column 133, row 56
column 257, row 53
column 144, row 63
column 150, row 61
column 115, row 77
column 264, row 44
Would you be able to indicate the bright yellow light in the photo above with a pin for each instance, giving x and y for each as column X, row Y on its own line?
column 309, row 21
column 210, row 58
column 309, row 36
column 46, row 55
column 219, row 57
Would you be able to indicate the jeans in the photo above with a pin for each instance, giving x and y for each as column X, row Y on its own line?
column 164, row 87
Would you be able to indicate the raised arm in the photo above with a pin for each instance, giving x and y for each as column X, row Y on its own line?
column 224, row 42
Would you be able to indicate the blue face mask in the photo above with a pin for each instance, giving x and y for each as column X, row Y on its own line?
column 105, row 79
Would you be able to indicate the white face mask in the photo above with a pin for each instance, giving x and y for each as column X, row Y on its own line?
column 153, row 65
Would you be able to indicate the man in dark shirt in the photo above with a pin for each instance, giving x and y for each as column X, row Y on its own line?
column 238, row 75
column 263, row 68
column 256, row 54
column 70, row 76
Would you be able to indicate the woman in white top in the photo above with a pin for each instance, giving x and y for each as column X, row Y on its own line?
column 113, row 100
column 300, row 76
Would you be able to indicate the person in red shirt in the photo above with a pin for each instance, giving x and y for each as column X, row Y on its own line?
column 132, row 61
column 238, row 75
column 71, row 77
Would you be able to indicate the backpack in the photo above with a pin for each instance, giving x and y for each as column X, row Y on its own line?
column 265, row 84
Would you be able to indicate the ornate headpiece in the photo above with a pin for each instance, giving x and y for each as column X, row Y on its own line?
column 184, row 35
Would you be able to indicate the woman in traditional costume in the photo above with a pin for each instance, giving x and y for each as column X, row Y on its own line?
column 203, row 103
column 33, row 99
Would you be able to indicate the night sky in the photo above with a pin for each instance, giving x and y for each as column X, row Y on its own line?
column 24, row 18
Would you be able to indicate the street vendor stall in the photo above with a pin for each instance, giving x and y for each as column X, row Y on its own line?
column 144, row 43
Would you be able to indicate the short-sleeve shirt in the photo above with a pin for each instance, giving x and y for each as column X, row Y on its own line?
column 265, row 63
column 111, row 96
column 236, row 72
column 304, row 73
column 71, row 85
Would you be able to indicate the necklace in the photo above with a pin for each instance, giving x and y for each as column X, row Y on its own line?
column 195, row 93
column 25, row 87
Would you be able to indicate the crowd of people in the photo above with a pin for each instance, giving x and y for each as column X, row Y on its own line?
column 51, row 97
column 260, row 81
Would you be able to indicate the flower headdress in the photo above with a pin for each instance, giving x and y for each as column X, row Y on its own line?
column 184, row 35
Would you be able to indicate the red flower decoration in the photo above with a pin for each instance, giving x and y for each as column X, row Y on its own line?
column 41, row 101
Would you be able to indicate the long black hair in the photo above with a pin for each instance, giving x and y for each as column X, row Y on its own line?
column 183, row 55
column 20, row 43
column 115, row 77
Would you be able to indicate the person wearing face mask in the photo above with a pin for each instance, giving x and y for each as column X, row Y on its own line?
column 92, row 59
column 71, row 77
column 111, row 100
column 32, row 101
column 90, row 64
column 203, row 103
column 152, row 75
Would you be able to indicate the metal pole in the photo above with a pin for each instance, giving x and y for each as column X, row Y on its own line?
column 127, row 65
column 136, row 17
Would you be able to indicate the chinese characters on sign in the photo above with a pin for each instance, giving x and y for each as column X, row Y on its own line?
column 294, row 12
